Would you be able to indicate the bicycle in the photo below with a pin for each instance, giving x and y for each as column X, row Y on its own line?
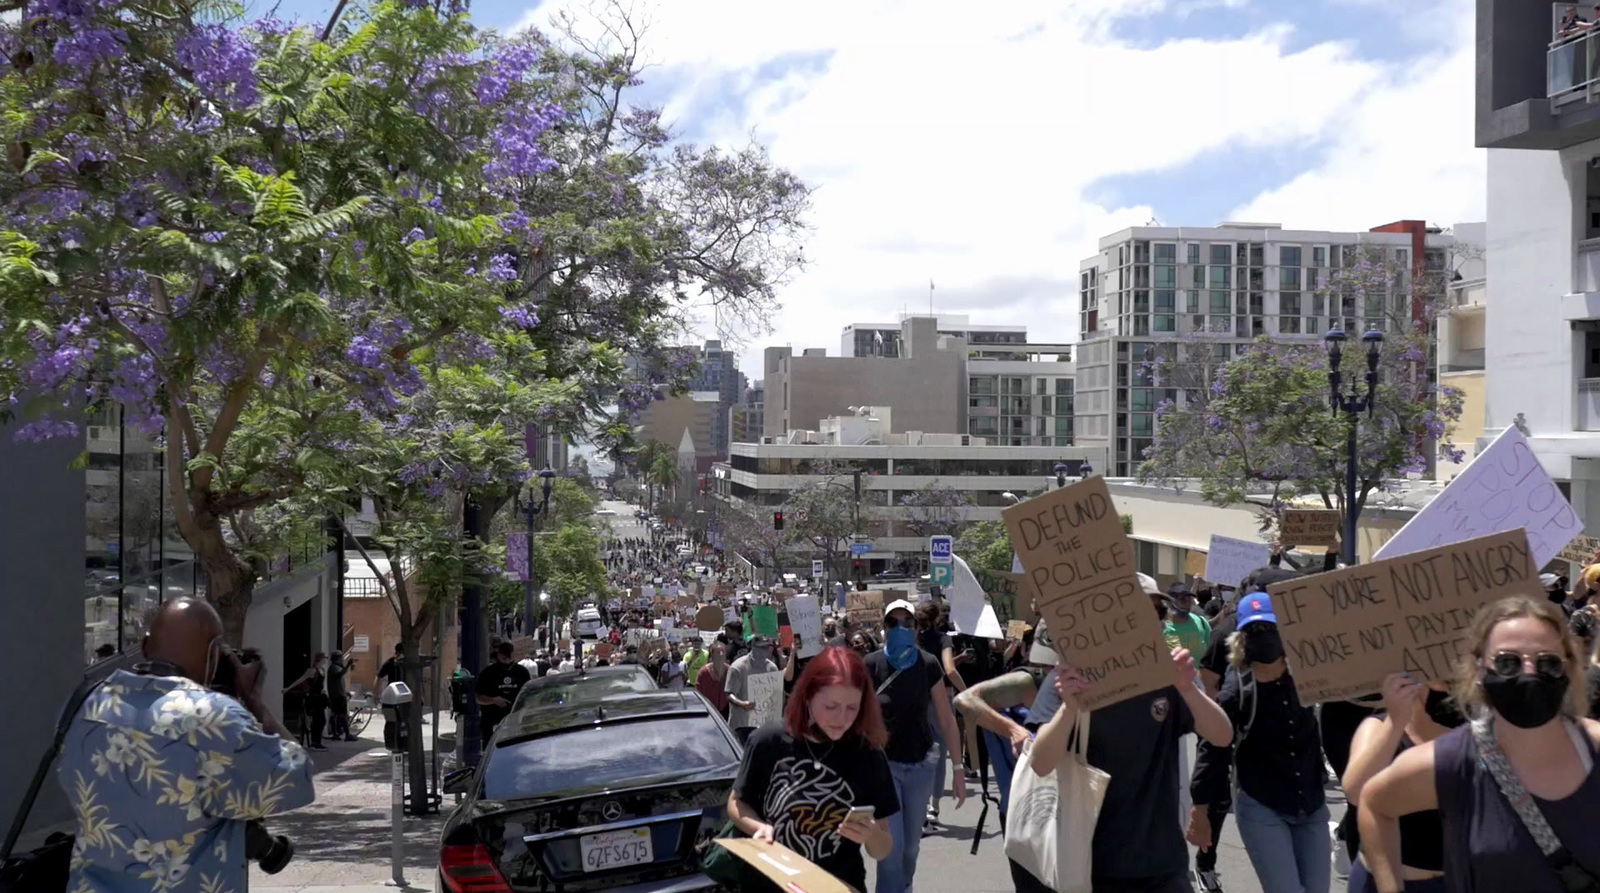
column 361, row 712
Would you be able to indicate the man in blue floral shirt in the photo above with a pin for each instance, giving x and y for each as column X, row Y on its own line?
column 163, row 772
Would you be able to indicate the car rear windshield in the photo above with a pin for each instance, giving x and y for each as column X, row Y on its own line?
column 591, row 688
column 606, row 756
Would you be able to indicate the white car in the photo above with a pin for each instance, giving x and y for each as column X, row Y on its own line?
column 590, row 626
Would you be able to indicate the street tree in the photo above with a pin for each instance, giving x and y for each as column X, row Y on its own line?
column 936, row 510
column 823, row 514
column 249, row 237
column 986, row 545
column 1258, row 430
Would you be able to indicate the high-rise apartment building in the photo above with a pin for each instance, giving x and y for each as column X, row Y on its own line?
column 1020, row 394
column 1150, row 288
column 718, row 371
column 1537, row 115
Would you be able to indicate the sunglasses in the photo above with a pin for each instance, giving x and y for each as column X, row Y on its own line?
column 1545, row 663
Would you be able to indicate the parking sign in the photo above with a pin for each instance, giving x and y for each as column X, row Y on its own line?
column 941, row 549
column 816, row 567
column 941, row 575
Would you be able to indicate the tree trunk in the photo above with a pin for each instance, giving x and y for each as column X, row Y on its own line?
column 229, row 586
column 416, row 756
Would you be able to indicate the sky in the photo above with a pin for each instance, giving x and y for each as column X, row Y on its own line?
column 988, row 152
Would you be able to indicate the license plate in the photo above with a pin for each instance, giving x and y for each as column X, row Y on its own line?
column 616, row 849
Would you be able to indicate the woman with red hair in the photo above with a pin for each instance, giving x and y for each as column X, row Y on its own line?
column 809, row 783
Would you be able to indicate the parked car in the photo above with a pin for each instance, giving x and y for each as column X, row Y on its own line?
column 559, row 689
column 617, row 794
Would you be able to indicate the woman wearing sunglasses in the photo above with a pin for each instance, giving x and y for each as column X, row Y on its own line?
column 1527, row 744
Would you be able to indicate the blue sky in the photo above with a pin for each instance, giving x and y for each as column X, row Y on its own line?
column 989, row 148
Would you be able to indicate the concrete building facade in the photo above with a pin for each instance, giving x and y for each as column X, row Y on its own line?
column 1150, row 288
column 926, row 384
column 1021, row 394
column 875, row 339
column 894, row 465
column 1537, row 116
column 1459, row 357
column 696, row 414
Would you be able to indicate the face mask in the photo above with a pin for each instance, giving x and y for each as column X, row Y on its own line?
column 1179, row 610
column 1263, row 647
column 1526, row 701
column 900, row 644
column 1441, row 708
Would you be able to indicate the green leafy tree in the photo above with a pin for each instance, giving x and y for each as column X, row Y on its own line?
column 823, row 514
column 1260, row 424
column 986, row 545
column 936, row 510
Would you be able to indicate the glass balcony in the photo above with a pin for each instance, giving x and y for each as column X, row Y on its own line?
column 1573, row 68
column 1588, row 262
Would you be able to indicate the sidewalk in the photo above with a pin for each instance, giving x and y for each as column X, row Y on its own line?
column 342, row 841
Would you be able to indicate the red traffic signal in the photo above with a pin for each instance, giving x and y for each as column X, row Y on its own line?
column 777, row 520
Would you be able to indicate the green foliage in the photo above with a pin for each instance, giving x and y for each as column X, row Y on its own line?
column 986, row 545
column 570, row 567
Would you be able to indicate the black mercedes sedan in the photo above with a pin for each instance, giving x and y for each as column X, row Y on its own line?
column 615, row 793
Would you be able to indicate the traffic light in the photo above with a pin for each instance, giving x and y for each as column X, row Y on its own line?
column 777, row 520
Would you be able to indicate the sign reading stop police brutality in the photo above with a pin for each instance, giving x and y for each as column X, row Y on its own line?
column 1504, row 488
column 1344, row 631
column 1079, row 564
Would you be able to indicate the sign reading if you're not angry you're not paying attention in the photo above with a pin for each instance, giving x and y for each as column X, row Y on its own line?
column 1344, row 631
column 1080, row 566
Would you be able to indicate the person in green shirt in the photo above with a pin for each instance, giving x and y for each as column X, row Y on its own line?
column 1185, row 627
column 694, row 659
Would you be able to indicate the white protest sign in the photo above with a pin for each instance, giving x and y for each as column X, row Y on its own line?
column 970, row 611
column 1503, row 488
column 766, row 693
column 649, row 593
column 1229, row 560
column 805, row 619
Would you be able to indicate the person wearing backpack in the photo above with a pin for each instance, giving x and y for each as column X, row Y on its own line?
column 1278, row 798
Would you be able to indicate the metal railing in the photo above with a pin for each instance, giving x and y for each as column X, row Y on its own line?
column 1572, row 68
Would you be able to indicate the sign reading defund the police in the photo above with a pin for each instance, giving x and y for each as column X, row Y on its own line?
column 1080, row 566
column 1344, row 631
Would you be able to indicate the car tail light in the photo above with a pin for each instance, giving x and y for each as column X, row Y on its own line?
column 470, row 869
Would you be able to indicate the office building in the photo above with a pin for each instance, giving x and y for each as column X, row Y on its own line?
column 717, row 371
column 696, row 416
column 1020, row 394
column 1150, row 288
column 748, row 415
column 1536, row 114
column 894, row 465
column 869, row 339
column 926, row 383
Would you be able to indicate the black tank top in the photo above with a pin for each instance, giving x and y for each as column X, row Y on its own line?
column 1489, row 849
column 1421, row 833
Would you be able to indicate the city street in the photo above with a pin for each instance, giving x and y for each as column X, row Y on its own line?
column 343, row 840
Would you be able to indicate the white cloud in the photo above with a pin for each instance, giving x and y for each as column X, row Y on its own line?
column 957, row 145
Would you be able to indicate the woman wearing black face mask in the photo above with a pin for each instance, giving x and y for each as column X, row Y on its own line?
column 1279, row 803
column 1413, row 714
column 1523, row 687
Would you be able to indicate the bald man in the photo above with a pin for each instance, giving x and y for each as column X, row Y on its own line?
column 163, row 773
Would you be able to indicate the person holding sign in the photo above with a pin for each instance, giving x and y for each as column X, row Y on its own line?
column 1413, row 713
column 820, row 783
column 1528, row 745
column 1277, row 757
column 909, row 683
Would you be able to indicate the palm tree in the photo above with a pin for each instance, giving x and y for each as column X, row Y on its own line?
column 664, row 472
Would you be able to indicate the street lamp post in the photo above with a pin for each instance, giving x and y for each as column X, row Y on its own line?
column 1352, row 404
column 532, row 509
column 1061, row 474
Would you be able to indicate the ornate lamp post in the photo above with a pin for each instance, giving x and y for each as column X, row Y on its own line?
column 532, row 508
column 1352, row 402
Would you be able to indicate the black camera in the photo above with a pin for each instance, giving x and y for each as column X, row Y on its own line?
column 224, row 679
column 271, row 851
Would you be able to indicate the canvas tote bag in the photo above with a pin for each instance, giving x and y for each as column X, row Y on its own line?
column 1050, row 825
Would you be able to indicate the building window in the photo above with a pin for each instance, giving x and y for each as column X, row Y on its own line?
column 1165, row 323
column 1192, row 301
column 1141, row 302
column 1143, row 426
column 1289, row 303
column 1289, row 256
column 1166, row 277
column 1288, row 325
column 1142, row 399
column 1197, row 276
column 1319, row 257
column 1221, row 303
column 1194, row 252
column 1289, row 278
column 1141, row 252
column 1166, row 253
column 1221, row 277
column 1141, row 277
column 1222, row 254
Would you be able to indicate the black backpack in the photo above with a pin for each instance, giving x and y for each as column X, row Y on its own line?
column 45, row 868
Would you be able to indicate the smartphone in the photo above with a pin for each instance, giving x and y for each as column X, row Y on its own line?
column 860, row 814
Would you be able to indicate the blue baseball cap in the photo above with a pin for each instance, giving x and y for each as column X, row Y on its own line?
column 1255, row 607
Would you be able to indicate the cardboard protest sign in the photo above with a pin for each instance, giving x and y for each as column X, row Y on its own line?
column 1229, row 560
column 864, row 608
column 1344, row 631
column 805, row 618
column 653, row 648
column 1016, row 629
column 762, row 620
column 1006, row 595
column 1503, row 488
column 709, row 619
column 783, row 866
column 766, row 693
column 602, row 650
column 1195, row 564
column 970, row 611
column 1081, row 568
column 686, row 599
column 1309, row 527
column 1581, row 550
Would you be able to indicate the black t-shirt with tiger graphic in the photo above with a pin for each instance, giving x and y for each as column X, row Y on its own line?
column 804, row 789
